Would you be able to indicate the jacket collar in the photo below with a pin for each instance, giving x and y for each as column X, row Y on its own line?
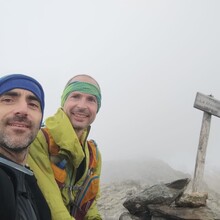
column 65, row 137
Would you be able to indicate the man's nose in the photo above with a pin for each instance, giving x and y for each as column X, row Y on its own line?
column 82, row 103
column 21, row 108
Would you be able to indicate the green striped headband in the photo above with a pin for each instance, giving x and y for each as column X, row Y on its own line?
column 83, row 87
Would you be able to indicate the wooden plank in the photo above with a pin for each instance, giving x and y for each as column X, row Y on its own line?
column 207, row 104
column 201, row 153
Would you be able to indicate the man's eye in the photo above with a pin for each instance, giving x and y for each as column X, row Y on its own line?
column 7, row 100
column 92, row 99
column 34, row 105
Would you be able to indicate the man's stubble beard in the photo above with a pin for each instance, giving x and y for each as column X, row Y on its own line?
column 16, row 144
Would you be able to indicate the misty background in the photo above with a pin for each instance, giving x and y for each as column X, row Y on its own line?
column 149, row 57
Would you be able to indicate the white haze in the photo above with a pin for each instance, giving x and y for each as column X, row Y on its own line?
column 150, row 58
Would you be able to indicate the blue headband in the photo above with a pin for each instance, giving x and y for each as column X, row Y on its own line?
column 21, row 81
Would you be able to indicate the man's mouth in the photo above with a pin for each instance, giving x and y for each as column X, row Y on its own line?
column 80, row 115
column 18, row 125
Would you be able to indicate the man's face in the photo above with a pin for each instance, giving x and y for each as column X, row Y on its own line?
column 20, row 117
column 81, row 109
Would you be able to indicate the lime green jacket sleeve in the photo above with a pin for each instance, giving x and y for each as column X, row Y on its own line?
column 38, row 160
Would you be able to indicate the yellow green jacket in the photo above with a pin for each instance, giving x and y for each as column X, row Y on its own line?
column 39, row 161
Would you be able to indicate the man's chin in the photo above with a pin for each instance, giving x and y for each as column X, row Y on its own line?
column 79, row 127
column 17, row 145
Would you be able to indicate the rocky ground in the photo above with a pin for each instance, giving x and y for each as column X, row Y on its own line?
column 121, row 179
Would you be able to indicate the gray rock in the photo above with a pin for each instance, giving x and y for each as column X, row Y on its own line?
column 157, row 194
column 193, row 200
column 172, row 213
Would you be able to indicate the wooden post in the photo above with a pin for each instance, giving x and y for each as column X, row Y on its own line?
column 201, row 153
column 210, row 106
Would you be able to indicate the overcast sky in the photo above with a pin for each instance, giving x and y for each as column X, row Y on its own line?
column 149, row 57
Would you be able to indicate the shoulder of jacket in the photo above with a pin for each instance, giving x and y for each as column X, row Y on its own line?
column 95, row 154
column 7, row 174
column 92, row 144
column 53, row 148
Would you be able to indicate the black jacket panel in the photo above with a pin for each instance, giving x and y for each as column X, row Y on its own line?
column 9, row 193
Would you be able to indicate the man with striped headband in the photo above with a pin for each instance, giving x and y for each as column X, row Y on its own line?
column 66, row 164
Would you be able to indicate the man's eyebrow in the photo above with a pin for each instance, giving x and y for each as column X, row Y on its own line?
column 17, row 94
column 10, row 93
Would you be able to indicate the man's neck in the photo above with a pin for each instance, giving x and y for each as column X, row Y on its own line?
column 17, row 157
column 79, row 133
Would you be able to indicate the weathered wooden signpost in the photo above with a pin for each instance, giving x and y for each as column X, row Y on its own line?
column 210, row 106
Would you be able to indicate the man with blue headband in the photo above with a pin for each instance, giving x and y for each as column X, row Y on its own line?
column 21, row 113
column 66, row 164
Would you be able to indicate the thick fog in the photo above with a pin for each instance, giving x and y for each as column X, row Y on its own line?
column 149, row 57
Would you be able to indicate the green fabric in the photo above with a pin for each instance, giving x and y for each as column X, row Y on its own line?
column 84, row 88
